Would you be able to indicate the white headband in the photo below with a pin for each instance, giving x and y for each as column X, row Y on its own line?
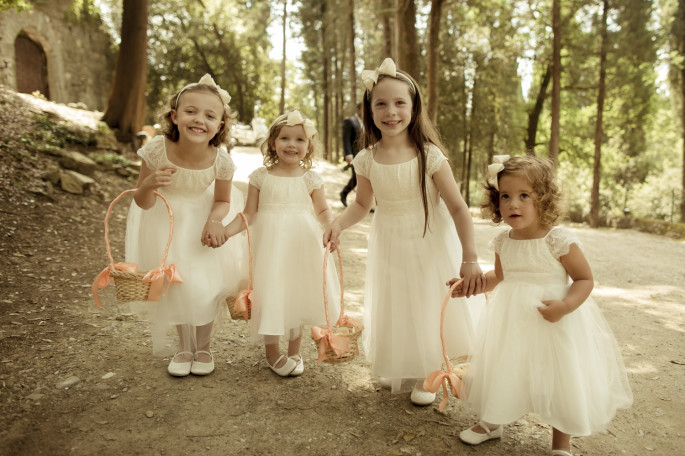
column 209, row 81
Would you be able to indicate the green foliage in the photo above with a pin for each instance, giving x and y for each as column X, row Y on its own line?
column 18, row 5
column 110, row 158
column 48, row 134
column 83, row 12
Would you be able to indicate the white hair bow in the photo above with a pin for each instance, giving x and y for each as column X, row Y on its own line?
column 295, row 118
column 495, row 168
column 370, row 78
column 207, row 80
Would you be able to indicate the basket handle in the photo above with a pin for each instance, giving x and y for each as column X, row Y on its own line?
column 109, row 213
column 342, row 289
column 442, row 324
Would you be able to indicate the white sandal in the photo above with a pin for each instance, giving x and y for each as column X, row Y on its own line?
column 299, row 367
column 285, row 369
column 561, row 453
column 474, row 438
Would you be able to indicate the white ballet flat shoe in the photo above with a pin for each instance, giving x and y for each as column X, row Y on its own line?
column 473, row 438
column 200, row 368
column 385, row 382
column 421, row 397
column 284, row 370
column 180, row 369
column 561, row 453
column 299, row 368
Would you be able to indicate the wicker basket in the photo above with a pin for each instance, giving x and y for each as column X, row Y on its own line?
column 453, row 369
column 344, row 334
column 130, row 284
column 245, row 294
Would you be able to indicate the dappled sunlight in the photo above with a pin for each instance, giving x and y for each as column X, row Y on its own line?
column 641, row 369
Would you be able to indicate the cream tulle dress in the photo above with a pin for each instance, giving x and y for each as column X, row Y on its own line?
column 569, row 373
column 406, row 274
column 208, row 274
column 288, row 257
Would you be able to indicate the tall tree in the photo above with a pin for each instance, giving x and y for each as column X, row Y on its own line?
column 406, row 37
column 281, row 105
column 536, row 111
column 556, row 82
column 433, row 53
column 679, row 28
column 126, row 106
column 597, row 166
column 350, row 38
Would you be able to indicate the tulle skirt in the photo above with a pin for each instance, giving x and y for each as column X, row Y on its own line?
column 288, row 274
column 405, row 288
column 569, row 373
column 209, row 275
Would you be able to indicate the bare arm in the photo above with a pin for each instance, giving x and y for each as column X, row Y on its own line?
column 579, row 270
column 250, row 211
column 323, row 213
column 150, row 180
column 213, row 232
column 356, row 211
column 449, row 191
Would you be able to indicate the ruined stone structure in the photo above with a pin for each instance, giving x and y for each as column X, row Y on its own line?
column 45, row 50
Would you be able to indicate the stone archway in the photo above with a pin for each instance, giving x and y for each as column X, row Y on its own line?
column 31, row 66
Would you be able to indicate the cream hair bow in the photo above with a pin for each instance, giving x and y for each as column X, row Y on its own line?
column 370, row 78
column 496, row 168
column 295, row 118
column 208, row 80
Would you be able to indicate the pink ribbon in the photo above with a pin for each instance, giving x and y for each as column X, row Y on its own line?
column 344, row 320
column 440, row 377
column 243, row 303
column 156, row 278
column 326, row 338
column 103, row 279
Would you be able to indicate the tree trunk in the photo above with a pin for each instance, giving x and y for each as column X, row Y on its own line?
column 405, row 37
column 126, row 106
column 469, row 158
column 386, row 25
column 597, row 167
column 556, row 82
column 326, row 139
column 433, row 54
column 534, row 115
column 465, row 129
column 681, row 38
column 353, row 69
column 281, row 106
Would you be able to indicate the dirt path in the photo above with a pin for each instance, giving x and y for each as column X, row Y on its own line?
column 124, row 402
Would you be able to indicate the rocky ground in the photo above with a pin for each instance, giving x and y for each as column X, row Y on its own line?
column 80, row 380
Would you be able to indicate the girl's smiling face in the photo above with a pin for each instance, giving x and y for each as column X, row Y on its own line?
column 198, row 116
column 518, row 205
column 291, row 145
column 391, row 106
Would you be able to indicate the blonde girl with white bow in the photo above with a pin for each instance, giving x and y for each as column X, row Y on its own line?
column 191, row 168
column 421, row 235
column 286, row 211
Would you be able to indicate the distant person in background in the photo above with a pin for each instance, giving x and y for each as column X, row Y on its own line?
column 351, row 131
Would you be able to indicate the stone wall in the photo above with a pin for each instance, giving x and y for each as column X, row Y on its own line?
column 78, row 61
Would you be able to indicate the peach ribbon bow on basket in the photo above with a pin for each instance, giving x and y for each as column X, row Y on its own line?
column 132, row 285
column 242, row 307
column 446, row 376
column 336, row 344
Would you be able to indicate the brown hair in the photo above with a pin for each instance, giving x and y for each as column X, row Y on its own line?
column 269, row 150
column 170, row 129
column 421, row 130
column 539, row 172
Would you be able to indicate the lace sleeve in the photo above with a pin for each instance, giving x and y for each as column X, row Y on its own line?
column 434, row 159
column 559, row 241
column 313, row 181
column 224, row 167
column 257, row 177
column 362, row 162
column 153, row 152
column 497, row 241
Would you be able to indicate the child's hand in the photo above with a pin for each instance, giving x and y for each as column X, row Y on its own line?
column 332, row 235
column 474, row 279
column 160, row 177
column 554, row 310
column 458, row 291
column 213, row 234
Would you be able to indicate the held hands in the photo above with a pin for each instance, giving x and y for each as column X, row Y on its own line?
column 332, row 235
column 160, row 177
column 474, row 281
column 214, row 235
column 554, row 310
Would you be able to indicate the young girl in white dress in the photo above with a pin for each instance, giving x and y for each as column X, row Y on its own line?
column 188, row 166
column 285, row 209
column 542, row 345
column 420, row 228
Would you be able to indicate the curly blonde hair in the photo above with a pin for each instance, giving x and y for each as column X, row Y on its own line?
column 539, row 172
column 170, row 129
column 268, row 147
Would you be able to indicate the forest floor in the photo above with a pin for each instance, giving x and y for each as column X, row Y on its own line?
column 122, row 401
